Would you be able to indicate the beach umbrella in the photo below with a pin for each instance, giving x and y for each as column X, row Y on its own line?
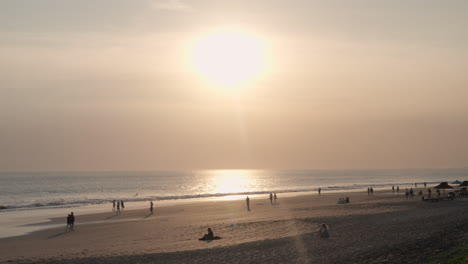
column 456, row 182
column 464, row 183
column 443, row 186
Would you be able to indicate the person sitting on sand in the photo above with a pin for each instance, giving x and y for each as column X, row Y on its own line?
column 323, row 232
column 209, row 236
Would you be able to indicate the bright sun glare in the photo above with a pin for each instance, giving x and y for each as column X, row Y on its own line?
column 229, row 58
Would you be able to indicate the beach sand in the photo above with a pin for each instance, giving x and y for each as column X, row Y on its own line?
column 384, row 228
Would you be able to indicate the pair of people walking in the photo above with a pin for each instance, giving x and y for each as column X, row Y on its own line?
column 70, row 222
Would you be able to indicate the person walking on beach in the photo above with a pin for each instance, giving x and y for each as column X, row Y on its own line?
column 275, row 197
column 151, row 207
column 319, row 190
column 429, row 192
column 72, row 222
column 398, row 189
column 393, row 188
column 323, row 232
column 424, row 184
column 113, row 206
column 406, row 193
column 438, row 192
column 368, row 191
column 271, row 198
column 371, row 191
column 247, row 201
column 411, row 192
column 118, row 208
column 122, row 204
column 68, row 222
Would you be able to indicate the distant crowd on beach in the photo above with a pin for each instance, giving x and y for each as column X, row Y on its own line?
column 118, row 206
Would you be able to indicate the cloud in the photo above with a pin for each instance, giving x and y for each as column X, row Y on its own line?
column 171, row 5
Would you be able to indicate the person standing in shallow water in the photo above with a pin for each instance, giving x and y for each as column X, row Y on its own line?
column 247, row 201
column 122, row 204
column 151, row 207
column 320, row 191
column 271, row 198
column 113, row 206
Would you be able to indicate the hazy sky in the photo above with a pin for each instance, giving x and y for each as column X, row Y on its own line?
column 109, row 85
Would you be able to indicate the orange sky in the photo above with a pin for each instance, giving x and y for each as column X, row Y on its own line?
column 111, row 86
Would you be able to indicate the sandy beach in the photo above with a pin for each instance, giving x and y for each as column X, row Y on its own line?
column 383, row 228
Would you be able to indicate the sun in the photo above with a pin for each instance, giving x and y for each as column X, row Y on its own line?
column 229, row 58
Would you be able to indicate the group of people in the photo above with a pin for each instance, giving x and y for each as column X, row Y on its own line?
column 397, row 188
column 409, row 193
column 117, row 206
column 343, row 200
column 70, row 222
column 370, row 191
column 273, row 196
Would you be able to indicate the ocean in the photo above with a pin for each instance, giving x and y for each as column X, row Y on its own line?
column 36, row 190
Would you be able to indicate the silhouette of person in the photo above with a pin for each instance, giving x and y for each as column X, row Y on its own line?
column 371, row 191
column 424, row 184
column 113, row 206
column 118, row 208
column 275, row 197
column 429, row 192
column 368, row 191
column 398, row 189
column 208, row 236
column 68, row 222
column 72, row 221
column 393, row 188
column 247, row 201
column 319, row 191
column 122, row 204
column 271, row 198
column 323, row 232
column 151, row 207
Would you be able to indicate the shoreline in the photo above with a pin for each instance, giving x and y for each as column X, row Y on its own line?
column 38, row 219
column 173, row 231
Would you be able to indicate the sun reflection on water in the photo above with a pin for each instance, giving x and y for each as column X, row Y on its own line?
column 232, row 181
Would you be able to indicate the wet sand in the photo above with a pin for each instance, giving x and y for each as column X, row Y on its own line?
column 384, row 228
